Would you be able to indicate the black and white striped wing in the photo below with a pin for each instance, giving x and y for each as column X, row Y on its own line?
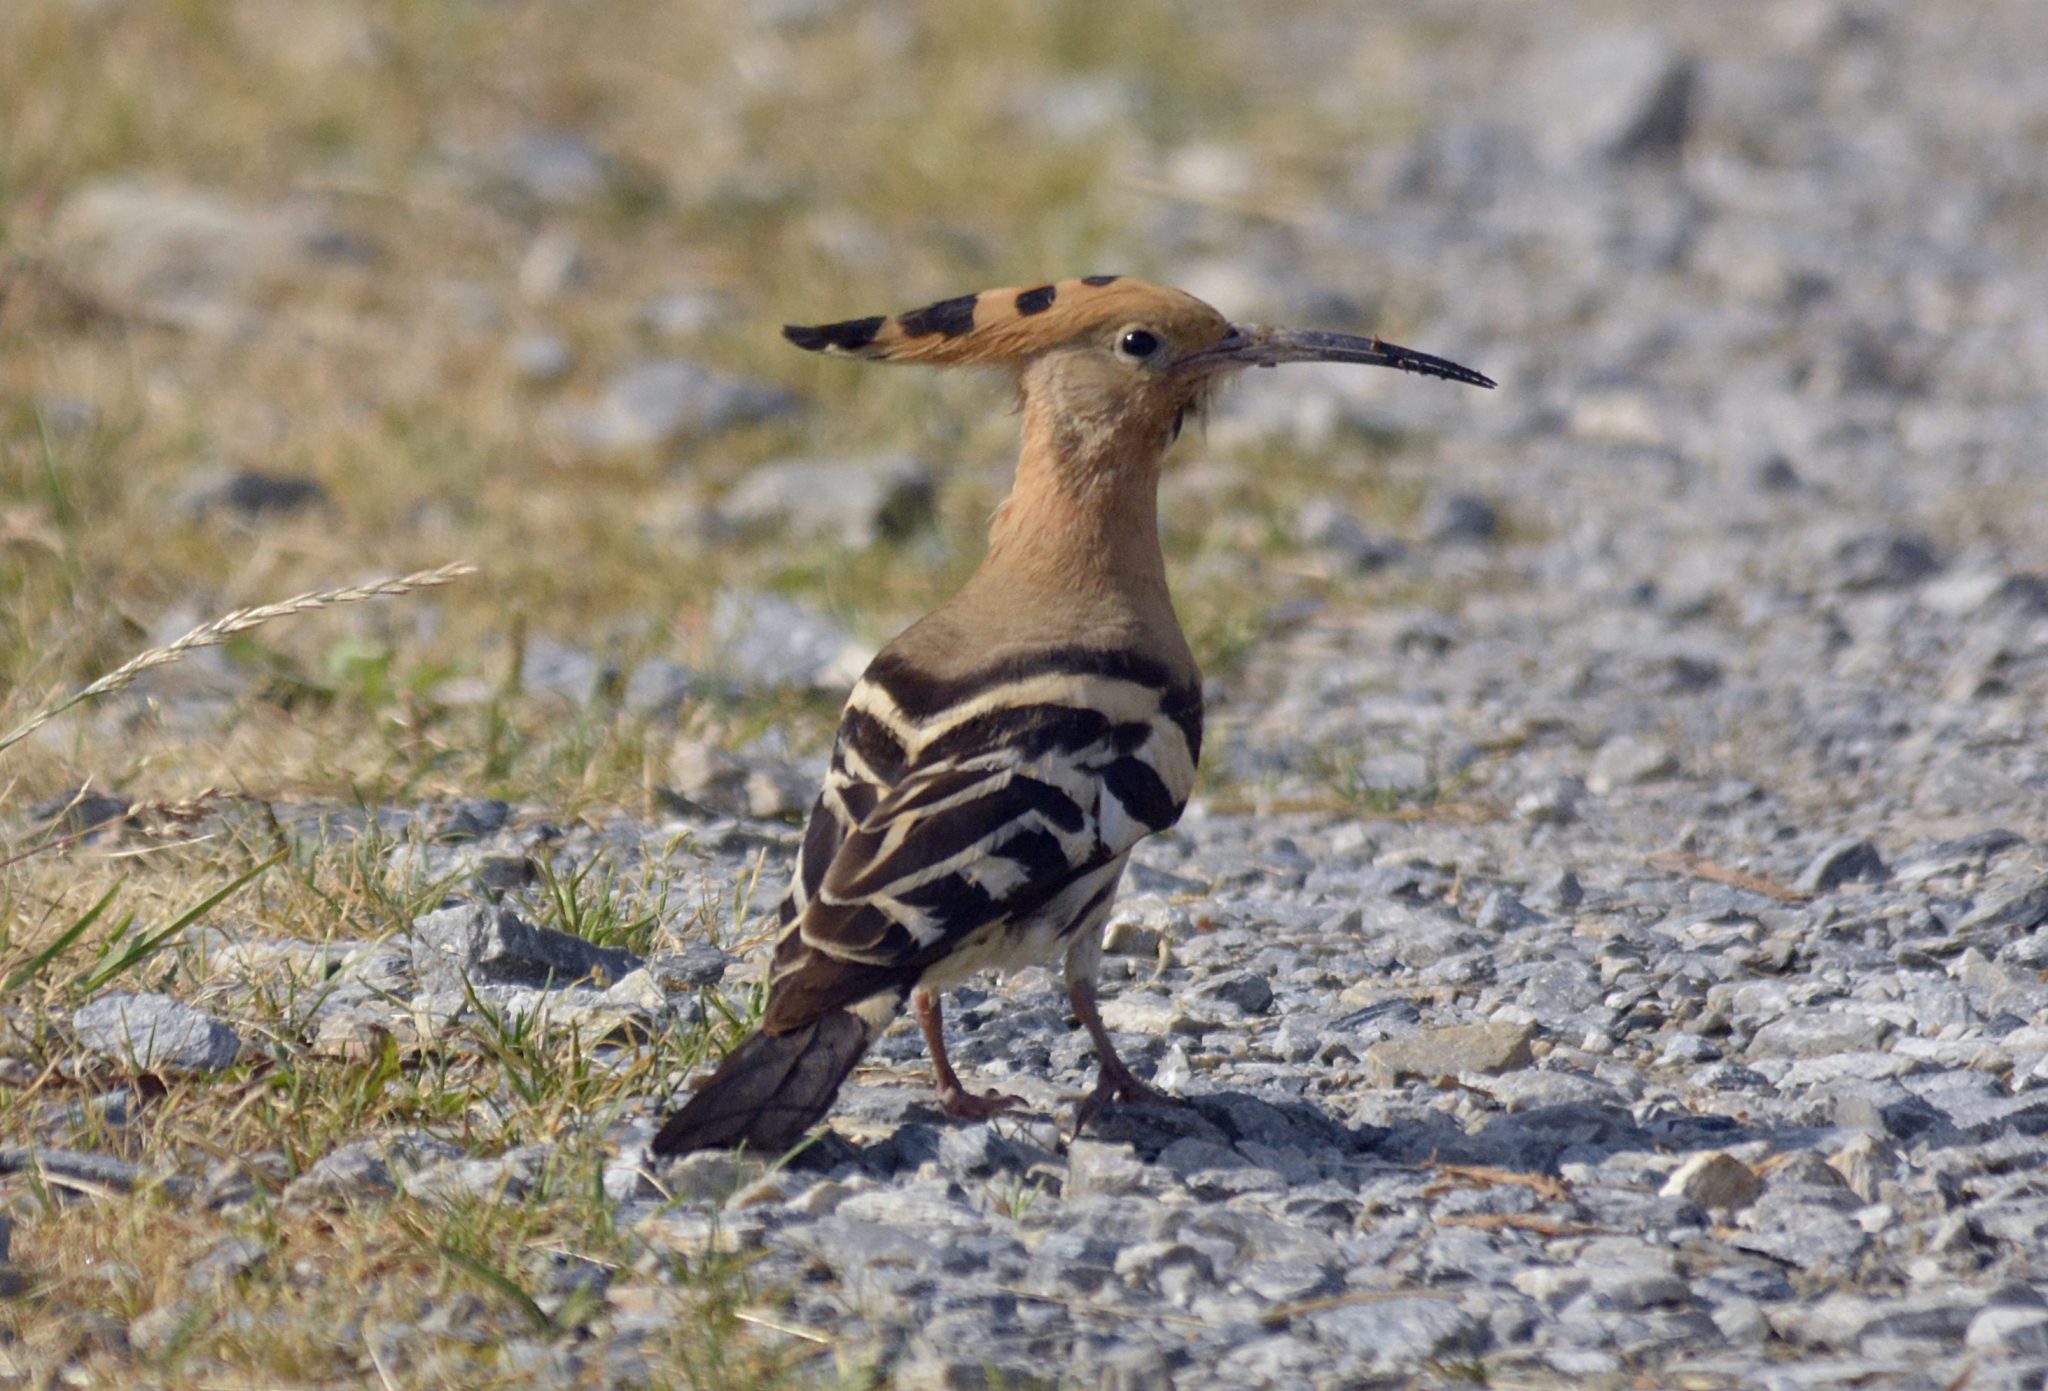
column 955, row 814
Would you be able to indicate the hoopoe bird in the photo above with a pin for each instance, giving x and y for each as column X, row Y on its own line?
column 998, row 761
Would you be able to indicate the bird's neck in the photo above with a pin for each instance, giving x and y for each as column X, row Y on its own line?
column 1082, row 521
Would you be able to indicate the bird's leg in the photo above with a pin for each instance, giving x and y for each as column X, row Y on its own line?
column 1116, row 1081
column 954, row 1099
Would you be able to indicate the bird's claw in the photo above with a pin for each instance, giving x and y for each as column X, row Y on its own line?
column 1125, row 1088
column 964, row 1105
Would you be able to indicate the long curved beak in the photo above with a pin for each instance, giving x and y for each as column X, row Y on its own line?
column 1253, row 345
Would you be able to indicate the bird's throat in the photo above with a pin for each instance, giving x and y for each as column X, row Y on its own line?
column 1083, row 514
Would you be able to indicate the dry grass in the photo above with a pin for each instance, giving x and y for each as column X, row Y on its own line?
column 842, row 159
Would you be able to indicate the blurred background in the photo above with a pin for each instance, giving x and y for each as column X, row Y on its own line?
column 298, row 295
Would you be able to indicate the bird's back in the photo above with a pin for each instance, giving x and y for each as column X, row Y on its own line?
column 972, row 784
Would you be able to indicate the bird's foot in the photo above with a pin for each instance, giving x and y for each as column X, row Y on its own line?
column 1120, row 1085
column 964, row 1105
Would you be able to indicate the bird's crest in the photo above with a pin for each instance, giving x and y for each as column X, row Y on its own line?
column 1004, row 327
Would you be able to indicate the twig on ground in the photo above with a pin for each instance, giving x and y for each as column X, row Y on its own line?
column 1519, row 1222
column 1274, row 1317
column 1487, row 1176
column 1700, row 867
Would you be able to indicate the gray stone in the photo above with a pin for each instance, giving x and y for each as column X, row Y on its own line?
column 2022, row 909
column 978, row 1151
column 705, row 775
column 1094, row 1167
column 760, row 639
column 1459, row 518
column 1324, row 525
column 1619, row 95
column 683, row 313
column 539, row 358
column 1276, row 1359
column 559, row 669
column 1439, row 1055
column 1687, row 1050
column 479, row 944
column 1395, row 774
column 554, row 265
column 1811, row 1236
column 473, row 819
column 1839, row 863
column 1885, row 560
column 1864, row 1163
column 1558, row 891
column 354, row 1172
column 1714, row 1180
column 856, row 502
column 1553, row 803
column 1843, row 1319
column 152, row 1332
column 1135, row 1369
column 1139, row 924
column 694, row 965
column 661, row 401
column 1559, row 989
column 1531, row 1089
column 155, row 1033
column 193, row 258
column 1395, row 1333
column 1628, row 759
column 251, row 495
column 1815, row 1033
column 556, row 168
column 2009, row 1331
column 502, row 1178
column 658, row 688
column 712, row 1174
column 80, row 809
column 223, row 1263
column 1242, row 990
column 1503, row 912
column 2021, row 595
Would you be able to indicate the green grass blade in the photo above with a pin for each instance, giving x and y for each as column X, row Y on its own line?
column 498, row 1280
column 145, row 947
column 71, row 934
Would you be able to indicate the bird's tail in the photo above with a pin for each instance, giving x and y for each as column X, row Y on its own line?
column 770, row 1089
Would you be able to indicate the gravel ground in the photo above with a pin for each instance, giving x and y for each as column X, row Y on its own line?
column 1626, row 966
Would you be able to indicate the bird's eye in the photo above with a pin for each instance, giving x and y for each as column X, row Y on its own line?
column 1138, row 343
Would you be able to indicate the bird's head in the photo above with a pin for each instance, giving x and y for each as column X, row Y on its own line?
column 1105, row 353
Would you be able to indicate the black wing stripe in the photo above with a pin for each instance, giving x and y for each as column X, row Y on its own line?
column 1132, row 782
column 1183, row 705
column 1024, row 731
column 1128, row 737
column 952, row 898
column 920, row 695
column 869, row 740
column 940, row 835
column 867, row 930
column 1038, row 852
column 821, row 839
